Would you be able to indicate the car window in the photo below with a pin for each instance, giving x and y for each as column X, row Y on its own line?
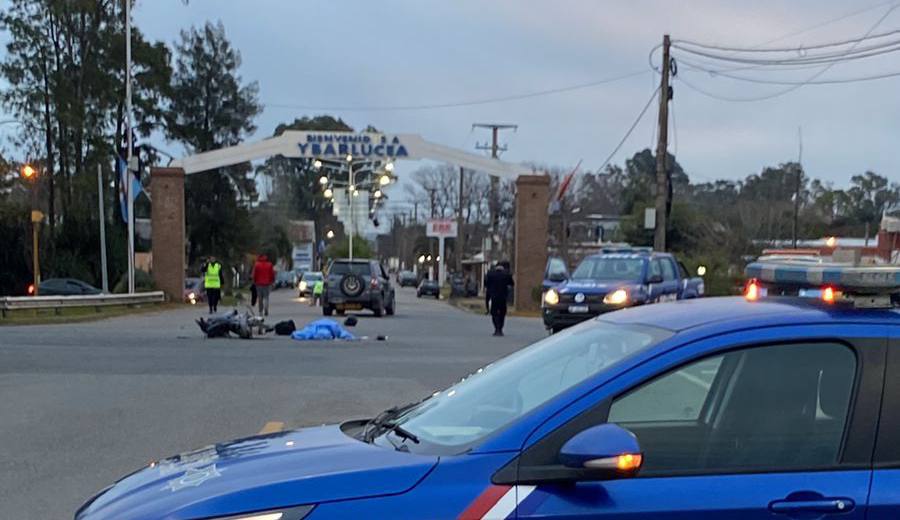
column 556, row 267
column 668, row 270
column 655, row 269
column 682, row 270
column 342, row 268
column 507, row 389
column 781, row 407
column 619, row 268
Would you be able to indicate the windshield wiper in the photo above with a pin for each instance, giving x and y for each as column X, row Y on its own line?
column 384, row 422
column 400, row 431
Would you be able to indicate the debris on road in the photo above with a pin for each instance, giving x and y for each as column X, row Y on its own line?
column 323, row 329
column 285, row 328
column 351, row 321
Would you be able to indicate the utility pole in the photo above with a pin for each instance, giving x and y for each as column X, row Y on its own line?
column 103, row 272
column 431, row 195
column 129, row 187
column 495, row 148
column 662, row 145
column 460, row 247
column 795, row 224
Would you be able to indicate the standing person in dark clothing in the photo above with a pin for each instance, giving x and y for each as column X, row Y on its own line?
column 497, row 284
column 212, row 282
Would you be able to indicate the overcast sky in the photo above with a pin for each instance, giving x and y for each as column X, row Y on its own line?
column 386, row 52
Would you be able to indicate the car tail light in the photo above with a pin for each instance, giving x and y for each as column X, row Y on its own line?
column 30, row 289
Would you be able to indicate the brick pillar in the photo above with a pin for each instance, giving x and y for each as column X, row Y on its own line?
column 167, row 224
column 532, row 197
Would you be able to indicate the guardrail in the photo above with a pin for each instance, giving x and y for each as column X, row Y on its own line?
column 10, row 303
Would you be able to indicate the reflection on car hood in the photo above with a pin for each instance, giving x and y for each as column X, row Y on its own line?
column 258, row 473
column 593, row 286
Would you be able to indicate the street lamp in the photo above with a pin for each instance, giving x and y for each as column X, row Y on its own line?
column 328, row 193
column 377, row 194
column 384, row 180
column 30, row 174
column 349, row 158
column 323, row 179
column 389, row 167
column 317, row 164
column 329, row 234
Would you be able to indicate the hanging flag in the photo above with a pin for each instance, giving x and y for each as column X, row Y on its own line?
column 567, row 180
column 122, row 172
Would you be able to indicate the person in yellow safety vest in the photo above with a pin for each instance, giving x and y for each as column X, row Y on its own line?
column 318, row 289
column 212, row 282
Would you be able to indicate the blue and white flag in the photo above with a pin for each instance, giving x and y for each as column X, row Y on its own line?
column 122, row 172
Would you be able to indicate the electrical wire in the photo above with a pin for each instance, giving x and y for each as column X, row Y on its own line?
column 788, row 82
column 758, row 49
column 797, row 85
column 630, row 130
column 484, row 101
column 845, row 55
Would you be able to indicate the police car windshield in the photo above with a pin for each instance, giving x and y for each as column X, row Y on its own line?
column 494, row 396
column 610, row 267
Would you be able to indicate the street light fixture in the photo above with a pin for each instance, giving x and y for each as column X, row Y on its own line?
column 377, row 194
column 330, row 234
column 389, row 167
column 328, row 193
column 349, row 158
column 317, row 164
column 323, row 179
column 28, row 172
column 384, row 180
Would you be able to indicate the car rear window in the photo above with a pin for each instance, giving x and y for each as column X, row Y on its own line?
column 361, row 268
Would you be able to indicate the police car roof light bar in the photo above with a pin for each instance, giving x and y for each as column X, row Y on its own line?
column 876, row 286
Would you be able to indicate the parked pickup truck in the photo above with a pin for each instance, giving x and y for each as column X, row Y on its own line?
column 616, row 279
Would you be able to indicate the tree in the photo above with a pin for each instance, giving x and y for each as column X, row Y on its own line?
column 210, row 109
column 64, row 69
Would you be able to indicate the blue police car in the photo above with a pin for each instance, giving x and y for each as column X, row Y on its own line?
column 614, row 279
column 751, row 407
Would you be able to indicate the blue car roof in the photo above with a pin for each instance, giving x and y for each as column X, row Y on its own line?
column 688, row 314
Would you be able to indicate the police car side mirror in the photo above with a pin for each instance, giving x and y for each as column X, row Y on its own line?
column 655, row 278
column 602, row 452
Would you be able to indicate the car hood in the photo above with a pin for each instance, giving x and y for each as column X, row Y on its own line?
column 593, row 286
column 258, row 473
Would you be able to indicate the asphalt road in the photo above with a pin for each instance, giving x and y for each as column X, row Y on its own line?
column 83, row 404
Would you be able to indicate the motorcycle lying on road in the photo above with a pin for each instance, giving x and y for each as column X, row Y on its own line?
column 241, row 324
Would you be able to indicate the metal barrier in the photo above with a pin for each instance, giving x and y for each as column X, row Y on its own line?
column 10, row 303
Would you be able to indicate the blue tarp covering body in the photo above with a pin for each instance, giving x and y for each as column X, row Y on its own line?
column 321, row 330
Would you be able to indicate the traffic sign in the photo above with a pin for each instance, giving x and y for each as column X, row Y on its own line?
column 441, row 228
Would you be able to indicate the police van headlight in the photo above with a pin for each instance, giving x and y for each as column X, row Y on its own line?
column 617, row 297
column 303, row 285
column 551, row 297
column 294, row 513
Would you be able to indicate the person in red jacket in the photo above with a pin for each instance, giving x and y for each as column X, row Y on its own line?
column 263, row 278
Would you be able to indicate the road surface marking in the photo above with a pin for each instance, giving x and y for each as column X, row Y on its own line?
column 272, row 427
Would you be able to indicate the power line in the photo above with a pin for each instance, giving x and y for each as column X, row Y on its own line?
column 758, row 49
column 853, row 53
column 630, row 129
column 484, row 101
column 834, row 81
column 797, row 85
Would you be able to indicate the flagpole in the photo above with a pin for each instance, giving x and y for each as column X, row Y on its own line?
column 128, row 185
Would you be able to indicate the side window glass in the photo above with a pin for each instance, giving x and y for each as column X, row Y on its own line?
column 682, row 270
column 773, row 408
column 655, row 269
column 668, row 270
column 556, row 267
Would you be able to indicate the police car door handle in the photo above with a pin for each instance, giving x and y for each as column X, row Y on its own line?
column 823, row 505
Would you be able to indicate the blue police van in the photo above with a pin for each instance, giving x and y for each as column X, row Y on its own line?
column 784, row 403
column 613, row 279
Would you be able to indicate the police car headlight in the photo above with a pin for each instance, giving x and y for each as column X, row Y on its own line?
column 617, row 297
column 303, row 285
column 551, row 297
column 294, row 513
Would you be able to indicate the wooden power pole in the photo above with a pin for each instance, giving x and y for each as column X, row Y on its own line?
column 495, row 148
column 662, row 144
